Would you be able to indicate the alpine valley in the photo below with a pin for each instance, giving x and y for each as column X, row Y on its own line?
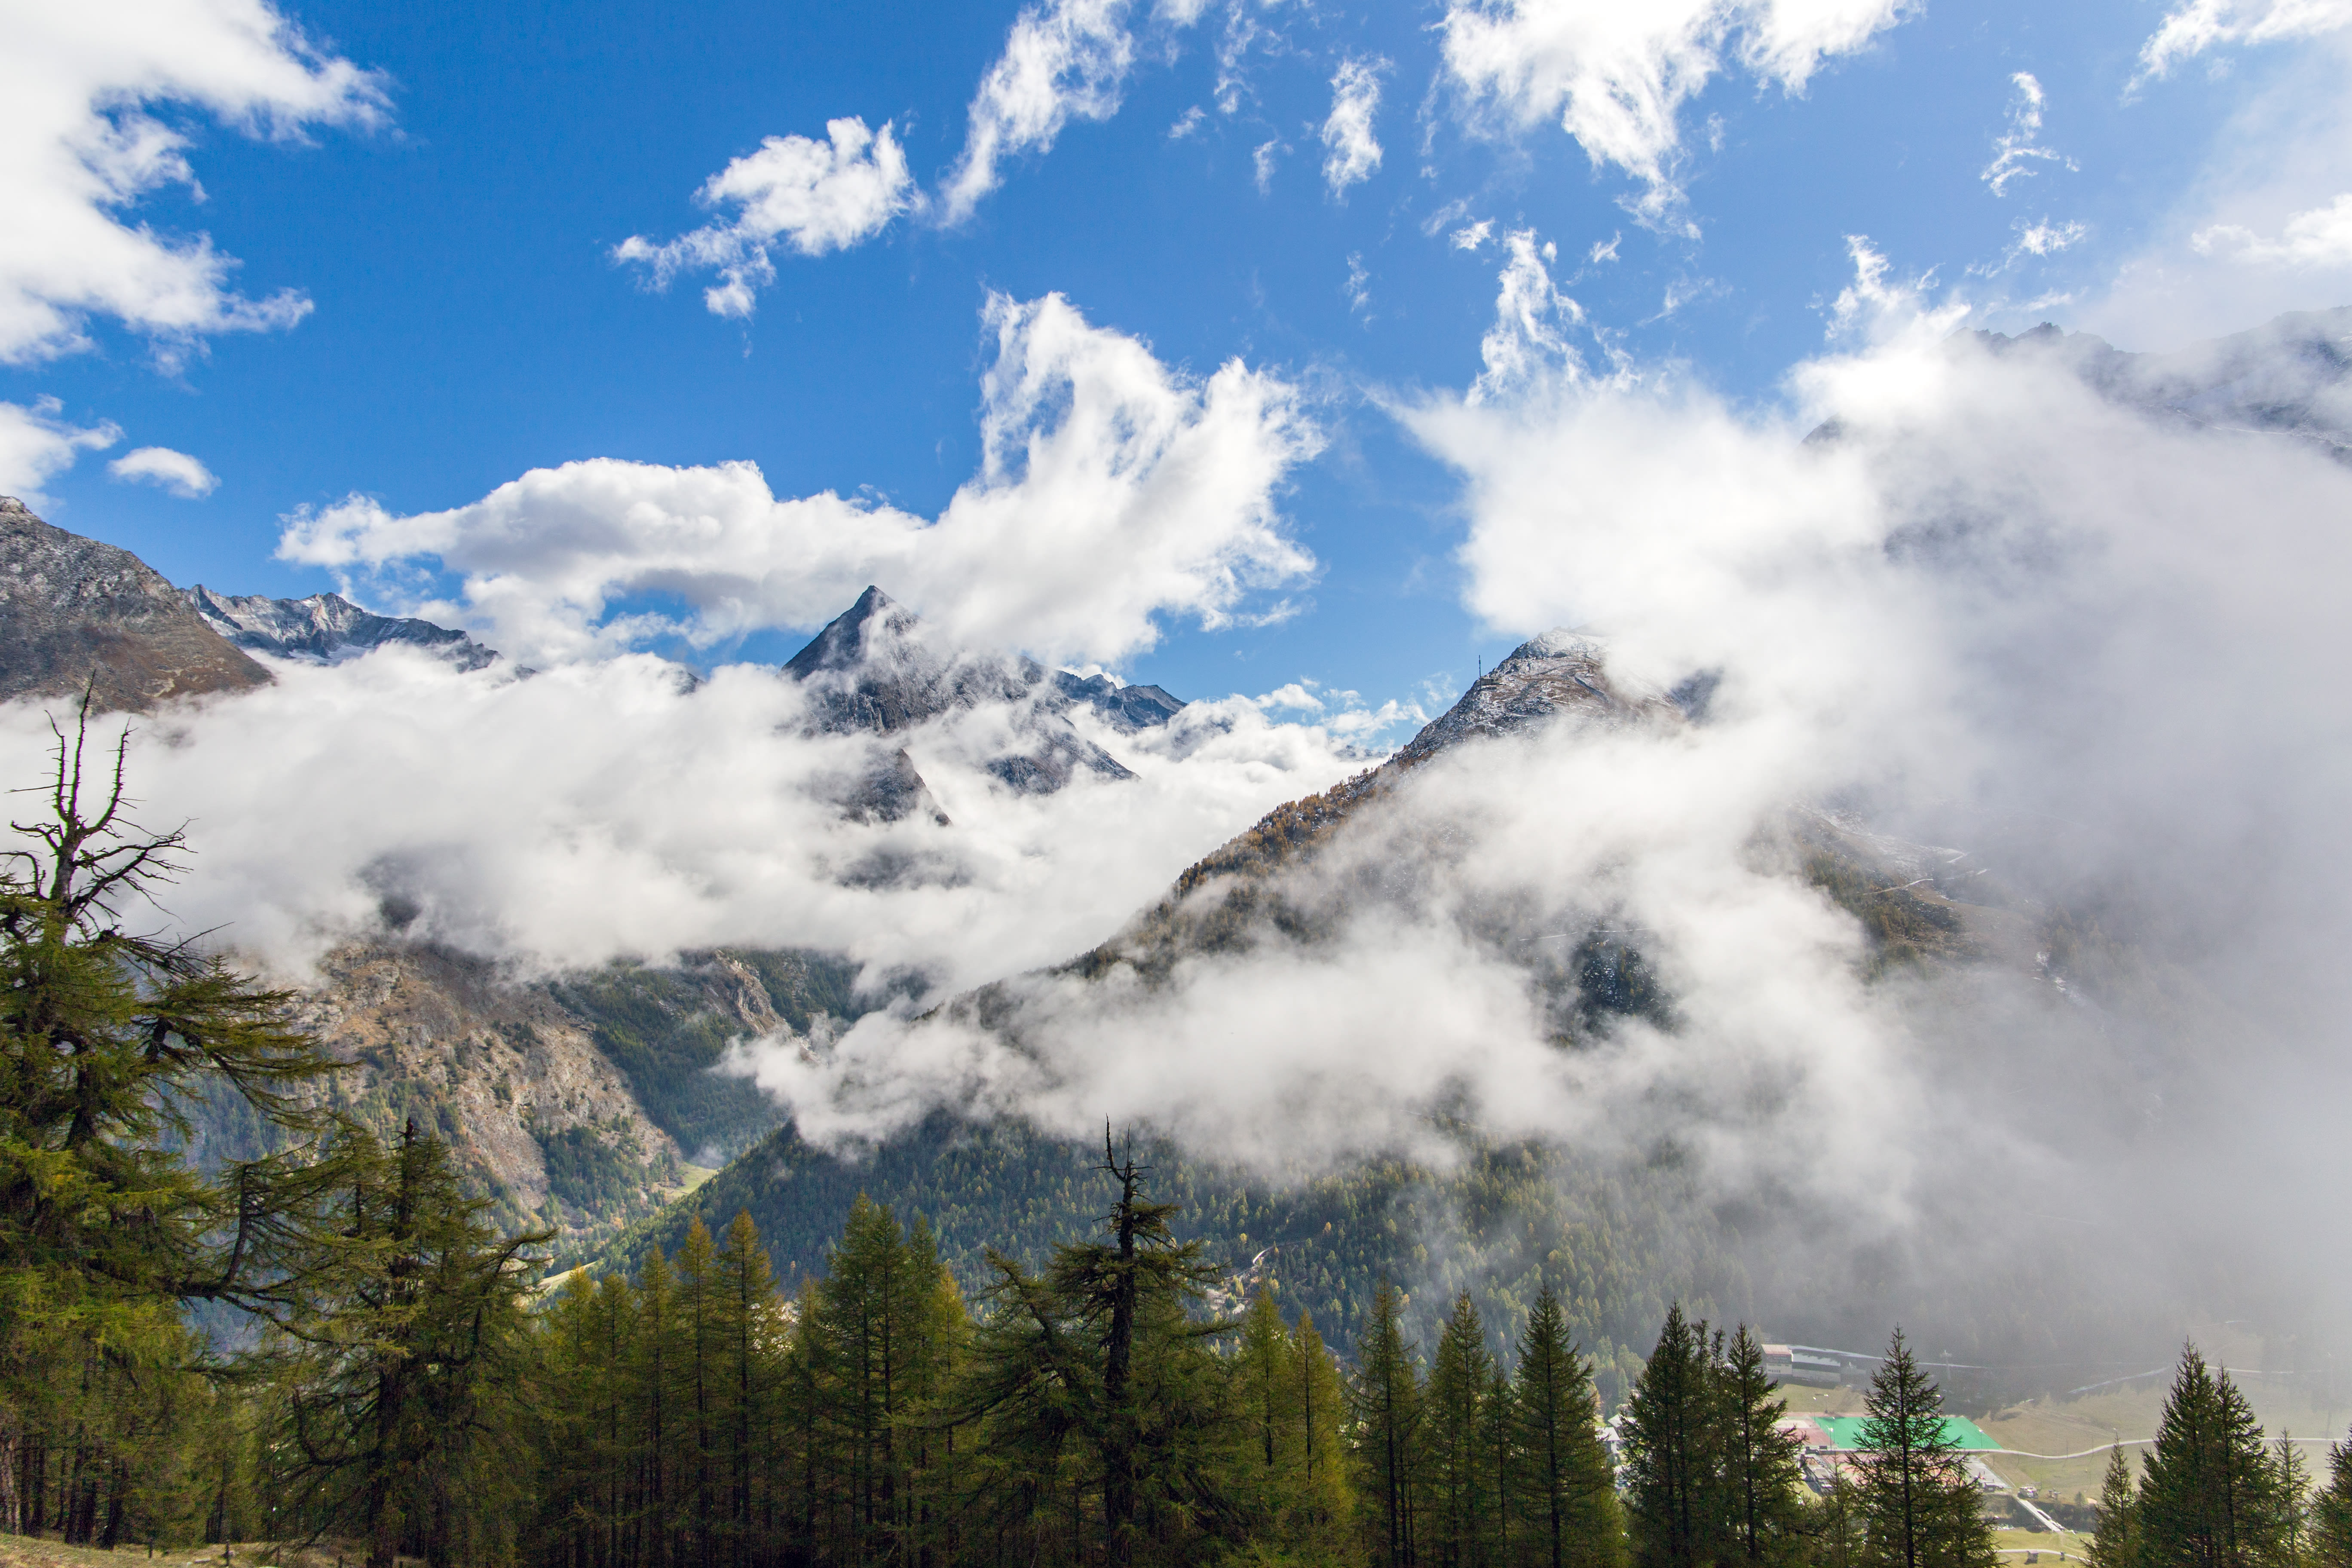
column 619, row 1103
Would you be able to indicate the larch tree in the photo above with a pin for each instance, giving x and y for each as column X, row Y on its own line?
column 2210, row 1497
column 1454, row 1450
column 1385, row 1398
column 1920, row 1507
column 1672, row 1460
column 398, row 1380
column 2292, row 1477
column 1761, row 1477
column 1101, row 1361
column 2115, row 1542
column 2331, row 1512
column 1326, row 1500
column 1568, row 1498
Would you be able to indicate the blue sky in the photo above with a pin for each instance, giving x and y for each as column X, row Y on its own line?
column 450, row 206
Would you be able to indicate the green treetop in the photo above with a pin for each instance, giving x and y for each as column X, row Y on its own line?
column 1920, row 1507
column 2115, row 1542
column 1566, row 1494
column 2211, row 1496
column 107, row 1038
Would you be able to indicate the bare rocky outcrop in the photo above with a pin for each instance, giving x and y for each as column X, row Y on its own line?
column 580, row 1101
column 496, row 1068
column 874, row 670
column 327, row 628
column 75, row 613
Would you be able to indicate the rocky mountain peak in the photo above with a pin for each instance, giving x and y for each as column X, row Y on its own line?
column 877, row 670
column 2292, row 376
column 842, row 645
column 327, row 628
column 80, row 611
column 1559, row 672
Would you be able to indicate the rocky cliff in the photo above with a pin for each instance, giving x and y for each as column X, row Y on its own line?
column 76, row 613
column 876, row 669
column 326, row 629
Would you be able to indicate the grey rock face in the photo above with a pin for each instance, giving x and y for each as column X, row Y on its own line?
column 2292, row 376
column 326, row 629
column 1557, row 673
column 74, row 611
column 1126, row 708
column 874, row 670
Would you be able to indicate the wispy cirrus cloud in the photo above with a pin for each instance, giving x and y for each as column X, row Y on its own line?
column 1528, row 347
column 2018, row 150
column 1064, row 59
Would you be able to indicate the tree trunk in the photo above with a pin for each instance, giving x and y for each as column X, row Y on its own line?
column 12, row 1508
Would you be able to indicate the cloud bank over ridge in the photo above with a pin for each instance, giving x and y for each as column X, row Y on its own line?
column 1988, row 610
column 1113, row 492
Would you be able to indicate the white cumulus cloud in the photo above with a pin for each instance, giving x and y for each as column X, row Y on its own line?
column 36, row 445
column 2321, row 237
column 1616, row 77
column 78, row 146
column 1113, row 492
column 177, row 472
column 1352, row 153
column 597, row 810
column 814, row 197
column 1063, row 59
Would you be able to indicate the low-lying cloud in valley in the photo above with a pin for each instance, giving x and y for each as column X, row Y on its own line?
column 1951, row 615
column 1945, row 596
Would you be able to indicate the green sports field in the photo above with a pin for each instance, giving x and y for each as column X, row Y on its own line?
column 1845, row 1431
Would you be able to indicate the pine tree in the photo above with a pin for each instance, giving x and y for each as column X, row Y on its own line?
column 1326, row 1500
column 1568, row 1494
column 1920, row 1507
column 1269, row 1396
column 2115, row 1542
column 2331, row 1513
column 398, row 1379
column 1454, row 1454
column 1386, row 1399
column 1761, row 1477
column 1097, row 1378
column 2210, row 1497
column 1671, row 1448
column 2291, row 1477
column 1834, row 1532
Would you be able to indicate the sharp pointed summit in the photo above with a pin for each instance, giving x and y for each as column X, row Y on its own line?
column 842, row 643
